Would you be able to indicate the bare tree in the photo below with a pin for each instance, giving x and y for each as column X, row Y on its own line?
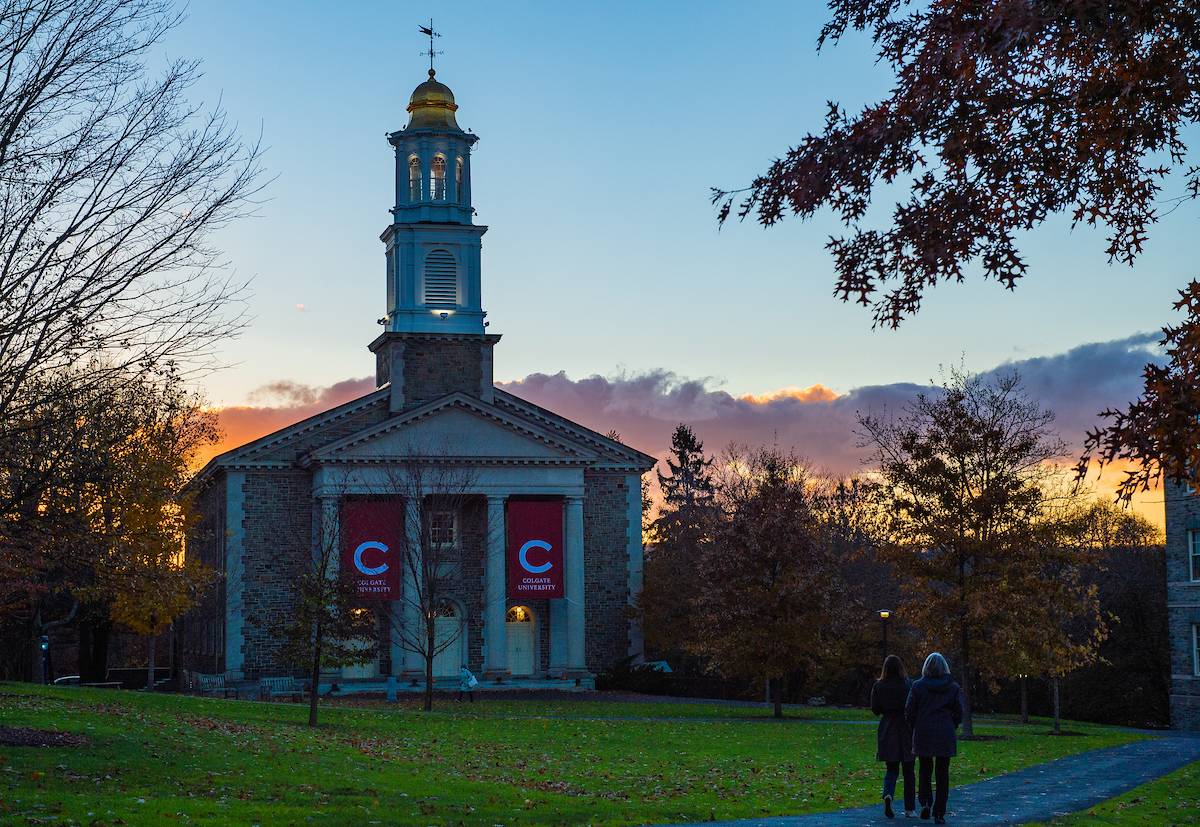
column 111, row 185
column 328, row 624
column 435, row 500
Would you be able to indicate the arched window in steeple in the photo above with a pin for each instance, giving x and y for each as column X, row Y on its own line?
column 414, row 178
column 438, row 178
column 458, row 170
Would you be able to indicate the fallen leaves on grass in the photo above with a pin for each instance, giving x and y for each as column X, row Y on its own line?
column 29, row 737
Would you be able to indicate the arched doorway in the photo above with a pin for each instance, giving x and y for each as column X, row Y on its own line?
column 366, row 669
column 518, row 628
column 448, row 642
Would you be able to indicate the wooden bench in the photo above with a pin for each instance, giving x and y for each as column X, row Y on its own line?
column 283, row 687
column 211, row 685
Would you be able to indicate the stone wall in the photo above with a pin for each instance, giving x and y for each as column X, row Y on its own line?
column 201, row 631
column 606, row 568
column 278, row 542
column 435, row 366
column 1183, row 606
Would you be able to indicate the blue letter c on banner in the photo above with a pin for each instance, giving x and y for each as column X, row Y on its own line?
column 358, row 561
column 523, row 556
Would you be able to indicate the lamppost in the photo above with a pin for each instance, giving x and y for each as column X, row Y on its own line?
column 884, row 616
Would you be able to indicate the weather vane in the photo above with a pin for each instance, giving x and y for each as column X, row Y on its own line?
column 429, row 31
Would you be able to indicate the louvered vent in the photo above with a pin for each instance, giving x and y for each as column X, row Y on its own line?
column 441, row 280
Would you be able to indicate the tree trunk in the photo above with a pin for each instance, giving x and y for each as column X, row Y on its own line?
column 314, row 676
column 777, row 696
column 968, row 725
column 429, row 644
column 1054, row 699
column 93, row 657
column 151, row 651
column 1024, row 702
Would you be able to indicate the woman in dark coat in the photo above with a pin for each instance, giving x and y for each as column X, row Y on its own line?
column 894, row 742
column 933, row 711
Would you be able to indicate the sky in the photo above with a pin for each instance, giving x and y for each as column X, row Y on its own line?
column 602, row 128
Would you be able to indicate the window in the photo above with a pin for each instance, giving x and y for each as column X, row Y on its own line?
column 518, row 614
column 1193, row 540
column 438, row 176
column 458, row 167
column 1196, row 648
column 441, row 528
column 441, row 279
column 414, row 178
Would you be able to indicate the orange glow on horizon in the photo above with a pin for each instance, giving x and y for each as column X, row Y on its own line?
column 813, row 393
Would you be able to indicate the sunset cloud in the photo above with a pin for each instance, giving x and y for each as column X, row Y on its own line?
column 815, row 422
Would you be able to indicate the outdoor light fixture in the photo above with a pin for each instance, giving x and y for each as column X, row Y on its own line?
column 884, row 614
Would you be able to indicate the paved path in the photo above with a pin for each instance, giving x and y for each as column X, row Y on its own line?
column 1036, row 793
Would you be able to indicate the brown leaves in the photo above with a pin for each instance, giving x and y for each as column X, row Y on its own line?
column 1031, row 109
column 1160, row 432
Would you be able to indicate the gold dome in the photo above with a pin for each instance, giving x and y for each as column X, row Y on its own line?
column 432, row 106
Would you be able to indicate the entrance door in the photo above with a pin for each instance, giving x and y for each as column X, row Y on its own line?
column 518, row 628
column 448, row 639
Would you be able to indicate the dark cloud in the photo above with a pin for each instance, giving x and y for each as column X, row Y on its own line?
column 814, row 422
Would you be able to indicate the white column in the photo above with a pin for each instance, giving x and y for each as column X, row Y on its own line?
column 414, row 663
column 327, row 544
column 495, row 641
column 327, row 539
column 576, row 652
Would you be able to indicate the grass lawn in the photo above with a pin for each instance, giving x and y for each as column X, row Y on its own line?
column 1171, row 800
column 157, row 759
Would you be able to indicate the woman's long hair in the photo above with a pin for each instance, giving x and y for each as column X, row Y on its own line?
column 893, row 669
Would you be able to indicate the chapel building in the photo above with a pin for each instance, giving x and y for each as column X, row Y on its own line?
column 546, row 545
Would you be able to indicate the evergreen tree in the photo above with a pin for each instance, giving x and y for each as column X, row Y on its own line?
column 681, row 531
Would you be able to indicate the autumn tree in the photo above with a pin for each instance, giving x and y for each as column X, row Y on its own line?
column 963, row 471
column 99, row 481
column 680, row 535
column 1002, row 116
column 771, row 600
column 1055, row 623
column 145, row 579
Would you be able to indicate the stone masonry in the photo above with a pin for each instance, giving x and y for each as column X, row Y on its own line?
column 606, row 583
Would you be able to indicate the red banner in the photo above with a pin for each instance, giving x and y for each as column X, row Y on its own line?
column 372, row 533
column 535, row 549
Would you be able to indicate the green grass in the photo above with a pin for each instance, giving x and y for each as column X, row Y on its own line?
column 170, row 759
column 1171, row 800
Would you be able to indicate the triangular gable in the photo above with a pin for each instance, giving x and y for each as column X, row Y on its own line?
column 262, row 449
column 610, row 449
column 459, row 426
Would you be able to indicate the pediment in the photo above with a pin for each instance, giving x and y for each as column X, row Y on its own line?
column 455, row 427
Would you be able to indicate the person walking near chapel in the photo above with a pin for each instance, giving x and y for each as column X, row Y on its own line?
column 467, row 683
column 893, row 738
column 934, row 711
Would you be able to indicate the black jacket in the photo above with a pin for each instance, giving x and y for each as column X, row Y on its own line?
column 934, row 711
column 893, row 738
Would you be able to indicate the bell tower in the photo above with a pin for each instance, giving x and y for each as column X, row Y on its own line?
column 434, row 341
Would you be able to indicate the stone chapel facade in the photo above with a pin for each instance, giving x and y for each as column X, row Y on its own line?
column 435, row 400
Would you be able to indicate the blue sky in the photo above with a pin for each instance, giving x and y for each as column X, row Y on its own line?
column 602, row 127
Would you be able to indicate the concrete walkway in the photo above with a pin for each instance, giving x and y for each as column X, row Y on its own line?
column 1036, row 793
